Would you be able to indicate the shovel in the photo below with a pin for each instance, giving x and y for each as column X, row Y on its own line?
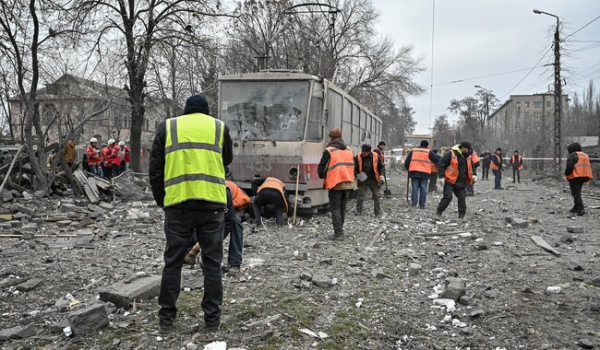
column 407, row 188
column 386, row 192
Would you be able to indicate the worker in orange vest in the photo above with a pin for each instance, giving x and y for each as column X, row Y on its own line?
column 418, row 163
column 476, row 162
column 457, row 169
column 432, row 185
column 578, row 172
column 516, row 162
column 369, row 167
column 272, row 191
column 497, row 168
column 337, row 168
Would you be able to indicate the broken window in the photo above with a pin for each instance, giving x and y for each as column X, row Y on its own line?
column 265, row 110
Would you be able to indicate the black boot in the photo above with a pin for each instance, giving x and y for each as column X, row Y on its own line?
column 581, row 212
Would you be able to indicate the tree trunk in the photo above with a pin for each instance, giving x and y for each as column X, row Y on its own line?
column 137, row 121
column 40, row 176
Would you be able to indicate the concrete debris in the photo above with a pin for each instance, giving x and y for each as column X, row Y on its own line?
column 575, row 266
column 88, row 320
column 323, row 281
column 575, row 229
column 123, row 294
column 520, row 223
column 542, row 243
column 585, row 344
column 29, row 285
column 18, row 332
column 414, row 269
column 455, row 288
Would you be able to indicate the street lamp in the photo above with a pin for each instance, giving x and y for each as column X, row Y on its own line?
column 557, row 93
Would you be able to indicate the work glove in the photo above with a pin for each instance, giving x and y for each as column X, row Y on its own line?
column 474, row 179
column 381, row 182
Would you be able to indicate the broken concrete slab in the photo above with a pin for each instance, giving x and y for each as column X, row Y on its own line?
column 575, row 266
column 520, row 223
column 76, row 242
column 22, row 209
column 575, row 229
column 322, row 281
column 88, row 320
column 123, row 294
column 542, row 243
column 18, row 332
column 29, row 285
column 414, row 269
column 455, row 288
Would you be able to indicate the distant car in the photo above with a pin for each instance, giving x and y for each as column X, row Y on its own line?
column 398, row 155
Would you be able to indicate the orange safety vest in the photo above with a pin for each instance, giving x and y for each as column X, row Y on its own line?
column 582, row 168
column 375, row 161
column 494, row 166
column 451, row 173
column 239, row 197
column 340, row 168
column 434, row 168
column 277, row 184
column 419, row 161
column 516, row 160
column 475, row 157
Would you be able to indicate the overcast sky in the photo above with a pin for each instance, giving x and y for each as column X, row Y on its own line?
column 475, row 38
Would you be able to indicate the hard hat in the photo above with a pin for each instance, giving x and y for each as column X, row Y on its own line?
column 111, row 142
column 93, row 139
column 121, row 143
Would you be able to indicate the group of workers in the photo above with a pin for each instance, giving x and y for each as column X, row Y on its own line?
column 190, row 180
column 108, row 161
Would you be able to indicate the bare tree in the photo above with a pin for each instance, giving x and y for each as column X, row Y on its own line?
column 443, row 134
column 140, row 25
column 21, row 40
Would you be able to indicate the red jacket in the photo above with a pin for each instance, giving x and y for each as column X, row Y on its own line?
column 93, row 155
column 106, row 152
column 127, row 154
column 114, row 158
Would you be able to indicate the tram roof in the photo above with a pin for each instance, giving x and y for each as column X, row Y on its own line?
column 271, row 75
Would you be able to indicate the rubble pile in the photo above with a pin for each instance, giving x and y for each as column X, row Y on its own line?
column 517, row 273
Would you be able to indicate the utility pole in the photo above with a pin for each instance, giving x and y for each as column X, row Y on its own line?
column 557, row 94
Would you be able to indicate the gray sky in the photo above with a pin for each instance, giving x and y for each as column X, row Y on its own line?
column 477, row 38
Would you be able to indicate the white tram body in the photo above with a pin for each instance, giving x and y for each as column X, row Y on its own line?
column 280, row 119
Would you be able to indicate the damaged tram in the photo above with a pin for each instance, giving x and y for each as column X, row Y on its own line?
column 279, row 121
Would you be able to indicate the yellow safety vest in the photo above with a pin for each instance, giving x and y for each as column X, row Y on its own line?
column 193, row 160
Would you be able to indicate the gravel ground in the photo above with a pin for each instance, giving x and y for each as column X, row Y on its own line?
column 298, row 290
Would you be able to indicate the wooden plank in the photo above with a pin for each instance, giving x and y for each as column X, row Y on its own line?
column 87, row 188
column 542, row 243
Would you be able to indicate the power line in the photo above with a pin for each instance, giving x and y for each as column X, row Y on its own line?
column 578, row 30
column 526, row 75
column 484, row 76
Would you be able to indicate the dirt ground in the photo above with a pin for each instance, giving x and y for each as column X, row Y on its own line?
column 353, row 294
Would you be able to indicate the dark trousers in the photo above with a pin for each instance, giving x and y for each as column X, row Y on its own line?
column 516, row 175
column 236, row 239
column 116, row 170
column 460, row 193
column 485, row 171
column 432, row 186
column 374, row 187
column 268, row 196
column 107, row 171
column 576, row 184
column 180, row 226
column 497, row 178
column 419, row 192
column 337, row 206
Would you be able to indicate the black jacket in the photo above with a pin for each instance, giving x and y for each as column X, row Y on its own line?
column 157, row 171
column 573, row 158
column 337, row 143
column 367, row 163
column 486, row 158
column 419, row 174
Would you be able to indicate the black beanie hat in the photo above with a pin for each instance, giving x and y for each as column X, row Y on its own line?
column 499, row 149
column 196, row 104
column 366, row 147
column 424, row 143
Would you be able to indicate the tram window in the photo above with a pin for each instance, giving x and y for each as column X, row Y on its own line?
column 356, row 125
column 347, row 122
column 315, row 128
column 256, row 110
column 334, row 106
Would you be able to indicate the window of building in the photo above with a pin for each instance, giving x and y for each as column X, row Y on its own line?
column 548, row 103
column 526, row 104
column 537, row 104
column 518, row 104
column 537, row 114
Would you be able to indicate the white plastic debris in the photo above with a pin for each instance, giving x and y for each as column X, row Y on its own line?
column 446, row 319
column 449, row 304
column 359, row 303
column 67, row 331
column 554, row 289
column 159, row 338
column 217, row 345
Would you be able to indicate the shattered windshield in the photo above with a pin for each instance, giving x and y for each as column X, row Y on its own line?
column 261, row 110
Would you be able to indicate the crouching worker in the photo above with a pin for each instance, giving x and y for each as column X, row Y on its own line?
column 272, row 191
